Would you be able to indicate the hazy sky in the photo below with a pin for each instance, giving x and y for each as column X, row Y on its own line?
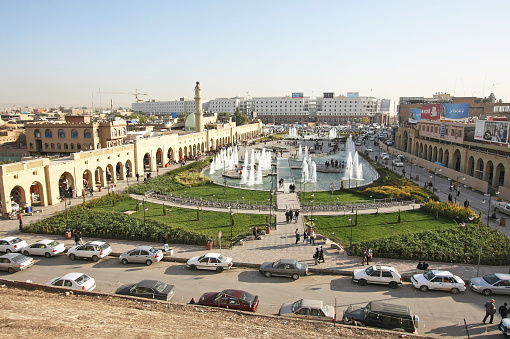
column 62, row 52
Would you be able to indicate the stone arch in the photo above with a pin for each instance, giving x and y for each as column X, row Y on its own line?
column 170, row 155
column 446, row 158
column 37, row 194
column 417, row 148
column 110, row 177
column 480, row 167
column 147, row 163
column 471, row 166
column 159, row 158
column 429, row 157
column 99, row 177
column 129, row 168
column 65, row 181
column 211, row 144
column 457, row 160
column 202, row 147
column 180, row 153
column 194, row 152
column 119, row 171
column 405, row 141
column 420, row 154
column 434, row 154
column 18, row 197
column 489, row 172
column 87, row 179
column 440, row 155
column 185, row 151
column 500, row 175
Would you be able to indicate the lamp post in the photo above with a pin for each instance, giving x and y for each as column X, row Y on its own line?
column 435, row 171
column 411, row 173
column 231, row 226
column 350, row 243
column 311, row 218
column 65, row 205
column 489, row 194
column 465, row 239
column 459, row 177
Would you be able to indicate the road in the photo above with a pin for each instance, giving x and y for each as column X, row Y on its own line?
column 441, row 313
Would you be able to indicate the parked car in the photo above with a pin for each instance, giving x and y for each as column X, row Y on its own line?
column 385, row 156
column 46, row 247
column 150, row 289
column 232, row 299
column 284, row 267
column 210, row 261
column 389, row 143
column 12, row 244
column 504, row 327
column 94, row 250
column 438, row 280
column 385, row 275
column 308, row 309
column 382, row 315
column 79, row 281
column 495, row 283
column 142, row 254
column 398, row 163
column 357, row 143
column 370, row 149
column 13, row 262
column 502, row 208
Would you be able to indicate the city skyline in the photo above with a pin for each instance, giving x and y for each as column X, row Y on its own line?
column 61, row 54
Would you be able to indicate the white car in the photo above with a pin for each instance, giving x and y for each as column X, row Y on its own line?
column 385, row 156
column 438, row 280
column 502, row 208
column 142, row 254
column 370, row 149
column 46, row 247
column 94, row 250
column 12, row 244
column 210, row 261
column 398, row 163
column 385, row 275
column 79, row 281
column 357, row 143
column 308, row 309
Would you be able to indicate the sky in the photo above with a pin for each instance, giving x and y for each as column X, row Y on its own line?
column 63, row 53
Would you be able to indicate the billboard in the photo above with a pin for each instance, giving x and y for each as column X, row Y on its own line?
column 414, row 115
column 430, row 111
column 353, row 94
column 455, row 112
column 329, row 95
column 297, row 94
column 492, row 131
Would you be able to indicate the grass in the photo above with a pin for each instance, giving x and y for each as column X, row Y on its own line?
column 217, row 192
column 326, row 196
column 376, row 226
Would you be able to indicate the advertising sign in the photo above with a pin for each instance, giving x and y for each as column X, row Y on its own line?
column 492, row 131
column 430, row 111
column 414, row 115
column 455, row 112
column 297, row 94
column 443, row 130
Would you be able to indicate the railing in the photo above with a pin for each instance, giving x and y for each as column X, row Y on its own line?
column 355, row 205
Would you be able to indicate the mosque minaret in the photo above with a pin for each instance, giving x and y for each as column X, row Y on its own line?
column 199, row 115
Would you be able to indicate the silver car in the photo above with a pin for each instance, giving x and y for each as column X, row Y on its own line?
column 308, row 309
column 46, row 247
column 142, row 254
column 502, row 208
column 495, row 283
column 13, row 262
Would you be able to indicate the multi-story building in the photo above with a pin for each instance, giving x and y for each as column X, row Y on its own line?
column 223, row 105
column 74, row 134
column 180, row 107
column 281, row 110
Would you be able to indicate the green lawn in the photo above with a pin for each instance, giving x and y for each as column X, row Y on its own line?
column 375, row 226
column 336, row 197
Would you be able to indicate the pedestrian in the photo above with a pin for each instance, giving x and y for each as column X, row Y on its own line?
column 137, row 176
column 370, row 255
column 424, row 266
column 466, row 203
column 91, row 190
column 77, row 237
column 458, row 191
column 419, row 268
column 297, row 236
column 503, row 310
column 192, row 301
column 316, row 256
column 296, row 215
column 403, row 172
column 20, row 217
column 430, row 185
column 490, row 310
column 287, row 216
column 312, row 236
column 450, row 198
column 451, row 187
column 425, row 185
column 321, row 254
column 365, row 254
column 305, row 237
column 291, row 215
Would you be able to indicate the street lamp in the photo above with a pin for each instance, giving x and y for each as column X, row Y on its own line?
column 489, row 194
column 435, row 171
column 465, row 240
column 350, row 244
column 311, row 218
column 65, row 205
column 411, row 173
column 459, row 177
column 231, row 226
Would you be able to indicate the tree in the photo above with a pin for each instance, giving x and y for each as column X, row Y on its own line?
column 241, row 119
column 61, row 108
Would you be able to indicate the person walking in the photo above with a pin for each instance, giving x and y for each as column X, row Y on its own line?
column 321, row 254
column 77, row 238
column 370, row 254
column 20, row 217
column 466, row 203
column 365, row 254
column 450, row 198
column 297, row 236
column 305, row 237
column 296, row 215
column 403, row 172
column 490, row 310
column 312, row 236
column 316, row 256
column 503, row 311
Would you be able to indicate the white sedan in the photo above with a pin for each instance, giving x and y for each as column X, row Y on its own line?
column 12, row 244
column 398, row 163
column 438, row 280
column 79, row 281
column 210, row 261
column 46, row 247
column 370, row 149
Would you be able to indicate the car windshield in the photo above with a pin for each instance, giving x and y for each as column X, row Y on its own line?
column 153, row 250
column 54, row 243
column 369, row 270
column 429, row 275
column 16, row 240
column 298, row 264
column 19, row 258
column 160, row 286
column 297, row 305
column 325, row 308
column 248, row 297
column 104, row 246
column 82, row 279
column 491, row 279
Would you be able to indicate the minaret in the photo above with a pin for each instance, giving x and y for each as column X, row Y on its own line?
column 199, row 121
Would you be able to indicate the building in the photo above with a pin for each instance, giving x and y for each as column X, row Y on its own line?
column 180, row 107
column 223, row 105
column 76, row 133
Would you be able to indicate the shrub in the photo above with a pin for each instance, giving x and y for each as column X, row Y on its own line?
column 450, row 210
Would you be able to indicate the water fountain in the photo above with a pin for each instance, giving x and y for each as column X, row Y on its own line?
column 332, row 133
column 353, row 168
column 293, row 133
column 304, row 172
column 300, row 153
column 313, row 173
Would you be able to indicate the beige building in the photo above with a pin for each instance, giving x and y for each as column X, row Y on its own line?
column 76, row 133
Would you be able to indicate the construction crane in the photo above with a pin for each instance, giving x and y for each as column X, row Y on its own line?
column 136, row 94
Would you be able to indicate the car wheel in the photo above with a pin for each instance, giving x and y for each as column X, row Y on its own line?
column 454, row 290
column 95, row 258
column 393, row 284
column 11, row 270
column 295, row 276
column 219, row 269
column 193, row 267
column 496, row 210
column 362, row 282
column 148, row 262
column 424, row 288
column 47, row 254
column 26, row 253
column 487, row 292
column 267, row 274
column 72, row 256
column 8, row 251
column 124, row 261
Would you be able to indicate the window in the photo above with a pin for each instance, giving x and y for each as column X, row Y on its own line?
column 87, row 134
column 72, row 146
column 31, row 145
column 78, row 146
column 52, row 146
column 59, row 146
column 74, row 134
column 46, row 146
column 65, row 146
column 387, row 274
column 114, row 132
column 61, row 134
column 48, row 133
column 37, row 133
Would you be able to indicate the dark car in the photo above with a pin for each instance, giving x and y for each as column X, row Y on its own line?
column 284, row 267
column 150, row 289
column 382, row 315
column 232, row 299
